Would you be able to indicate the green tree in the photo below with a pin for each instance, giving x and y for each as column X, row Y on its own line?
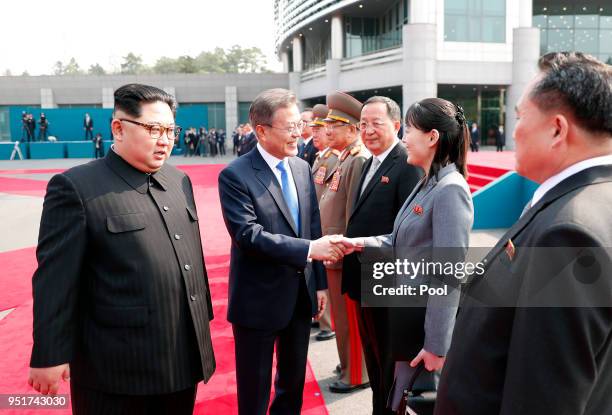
column 212, row 62
column 25, row 73
column 609, row 61
column 7, row 72
column 239, row 60
column 187, row 64
column 165, row 65
column 132, row 64
column 96, row 69
column 72, row 68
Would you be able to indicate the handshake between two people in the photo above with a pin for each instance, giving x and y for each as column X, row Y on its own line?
column 332, row 248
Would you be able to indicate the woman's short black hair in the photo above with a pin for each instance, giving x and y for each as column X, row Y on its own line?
column 449, row 119
column 129, row 98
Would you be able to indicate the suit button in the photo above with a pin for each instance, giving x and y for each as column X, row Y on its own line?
column 177, row 236
column 193, row 297
column 187, row 267
column 165, row 208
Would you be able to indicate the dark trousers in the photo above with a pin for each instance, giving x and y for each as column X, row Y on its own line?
column 42, row 134
column 254, row 350
column 87, row 401
column 99, row 152
column 88, row 134
column 375, row 333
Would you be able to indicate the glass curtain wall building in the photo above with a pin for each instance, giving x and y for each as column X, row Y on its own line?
column 584, row 26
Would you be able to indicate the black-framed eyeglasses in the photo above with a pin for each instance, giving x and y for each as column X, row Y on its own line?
column 156, row 130
column 297, row 127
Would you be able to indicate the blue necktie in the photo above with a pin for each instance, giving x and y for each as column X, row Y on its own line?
column 290, row 195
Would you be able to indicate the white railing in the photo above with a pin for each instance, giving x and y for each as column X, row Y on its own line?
column 314, row 73
column 375, row 58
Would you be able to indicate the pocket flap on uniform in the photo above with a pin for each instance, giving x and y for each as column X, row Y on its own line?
column 192, row 213
column 126, row 223
column 137, row 316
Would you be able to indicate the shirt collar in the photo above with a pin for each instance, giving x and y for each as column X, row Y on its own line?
column 270, row 160
column 552, row 181
column 137, row 179
column 381, row 157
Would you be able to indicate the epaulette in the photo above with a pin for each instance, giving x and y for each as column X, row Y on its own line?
column 356, row 150
column 336, row 152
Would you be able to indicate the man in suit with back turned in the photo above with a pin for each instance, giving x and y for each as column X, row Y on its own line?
column 121, row 298
column 534, row 335
column 276, row 282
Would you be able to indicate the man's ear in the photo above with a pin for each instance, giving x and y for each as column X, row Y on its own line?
column 396, row 126
column 561, row 126
column 117, row 129
column 260, row 132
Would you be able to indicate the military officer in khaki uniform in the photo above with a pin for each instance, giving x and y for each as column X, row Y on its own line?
column 324, row 162
column 335, row 206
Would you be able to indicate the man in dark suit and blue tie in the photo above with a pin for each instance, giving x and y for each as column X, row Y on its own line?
column 121, row 298
column 276, row 282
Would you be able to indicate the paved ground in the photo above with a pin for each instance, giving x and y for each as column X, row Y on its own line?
column 19, row 229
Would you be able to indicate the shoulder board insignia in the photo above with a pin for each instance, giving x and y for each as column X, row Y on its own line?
column 355, row 150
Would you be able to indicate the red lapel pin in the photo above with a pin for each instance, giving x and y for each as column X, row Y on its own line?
column 418, row 209
column 384, row 179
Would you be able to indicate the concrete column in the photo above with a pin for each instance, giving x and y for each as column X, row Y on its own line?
column 298, row 55
column 525, row 54
column 422, row 11
column 108, row 98
column 294, row 83
column 332, row 72
column 231, row 109
column 525, row 13
column 337, row 37
column 285, row 61
column 419, row 63
column 46, row 98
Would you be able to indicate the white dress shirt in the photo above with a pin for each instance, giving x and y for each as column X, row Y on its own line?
column 272, row 162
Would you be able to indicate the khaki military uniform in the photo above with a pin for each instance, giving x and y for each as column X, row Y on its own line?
column 335, row 205
column 323, row 169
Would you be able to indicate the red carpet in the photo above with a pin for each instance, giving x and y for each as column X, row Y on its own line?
column 216, row 397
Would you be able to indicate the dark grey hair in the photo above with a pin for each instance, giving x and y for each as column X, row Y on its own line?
column 393, row 110
column 267, row 102
column 578, row 83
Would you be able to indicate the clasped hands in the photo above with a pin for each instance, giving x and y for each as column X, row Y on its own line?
column 332, row 248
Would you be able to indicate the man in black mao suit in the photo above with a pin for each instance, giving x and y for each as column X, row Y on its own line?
column 88, row 126
column 387, row 180
column 121, row 298
column 534, row 335
column 270, row 209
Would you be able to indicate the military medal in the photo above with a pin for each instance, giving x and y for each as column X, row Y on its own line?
column 319, row 177
column 335, row 182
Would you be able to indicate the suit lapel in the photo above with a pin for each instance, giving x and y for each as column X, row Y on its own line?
column 382, row 170
column 301, row 182
column 267, row 178
column 593, row 175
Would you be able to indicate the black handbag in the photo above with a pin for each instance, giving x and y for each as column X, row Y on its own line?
column 416, row 404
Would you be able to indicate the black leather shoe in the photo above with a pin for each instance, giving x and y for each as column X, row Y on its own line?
column 341, row 387
column 325, row 335
column 314, row 323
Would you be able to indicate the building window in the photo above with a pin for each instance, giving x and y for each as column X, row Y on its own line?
column 243, row 112
column 475, row 21
column 368, row 34
column 578, row 27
